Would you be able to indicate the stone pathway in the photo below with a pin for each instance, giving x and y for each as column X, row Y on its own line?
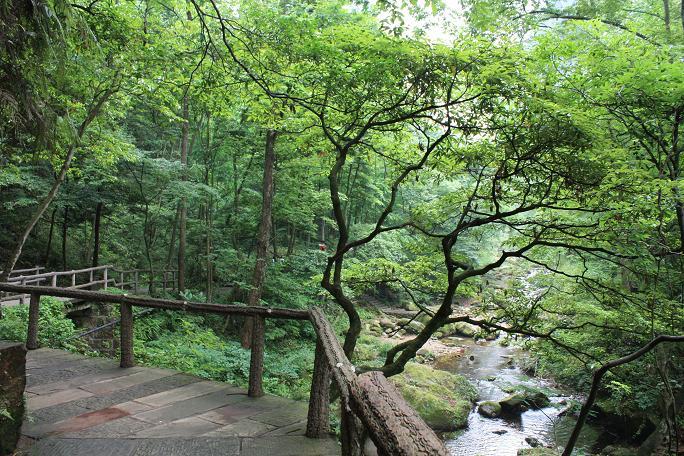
column 80, row 406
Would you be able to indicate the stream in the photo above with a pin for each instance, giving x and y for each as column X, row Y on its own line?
column 504, row 436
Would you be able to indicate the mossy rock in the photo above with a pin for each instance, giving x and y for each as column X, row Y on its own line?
column 515, row 403
column 461, row 328
column 490, row 409
column 415, row 327
column 535, row 398
column 449, row 361
column 444, row 400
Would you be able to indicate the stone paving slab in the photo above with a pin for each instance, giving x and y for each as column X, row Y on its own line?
column 289, row 446
column 59, row 397
column 242, row 428
column 74, row 424
column 89, row 407
column 183, row 392
column 78, row 407
column 109, row 386
column 115, row 429
column 281, row 417
column 184, row 427
column 83, row 447
column 231, row 413
column 189, row 447
column 193, row 406
column 105, row 374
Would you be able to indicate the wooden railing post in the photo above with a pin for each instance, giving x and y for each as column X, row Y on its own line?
column 256, row 363
column 73, row 279
column 318, row 420
column 126, row 331
column 135, row 283
column 21, row 298
column 350, row 432
column 105, row 277
column 122, row 284
column 34, row 316
column 54, row 280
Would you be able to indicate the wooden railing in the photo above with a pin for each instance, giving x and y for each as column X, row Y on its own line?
column 133, row 279
column 89, row 278
column 75, row 279
column 370, row 405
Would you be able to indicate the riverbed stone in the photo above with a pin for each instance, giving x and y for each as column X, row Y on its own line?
column 489, row 409
column 449, row 361
column 533, row 442
column 534, row 397
column 461, row 328
column 515, row 403
column 12, row 384
column 443, row 399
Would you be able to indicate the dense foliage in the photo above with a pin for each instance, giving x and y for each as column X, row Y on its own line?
column 523, row 158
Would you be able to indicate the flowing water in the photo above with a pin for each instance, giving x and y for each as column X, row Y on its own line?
column 504, row 436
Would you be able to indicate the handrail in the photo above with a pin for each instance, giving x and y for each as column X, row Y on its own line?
column 368, row 400
column 158, row 303
column 17, row 271
column 59, row 273
column 394, row 427
column 133, row 281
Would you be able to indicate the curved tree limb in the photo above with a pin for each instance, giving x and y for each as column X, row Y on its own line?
column 598, row 376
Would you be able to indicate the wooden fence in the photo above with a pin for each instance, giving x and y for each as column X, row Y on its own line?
column 370, row 405
column 89, row 278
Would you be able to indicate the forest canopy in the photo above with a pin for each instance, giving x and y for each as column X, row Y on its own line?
column 511, row 165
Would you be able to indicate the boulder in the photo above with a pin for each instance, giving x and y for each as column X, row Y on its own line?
column 533, row 442
column 515, row 403
column 12, row 384
column 386, row 323
column 444, row 400
column 534, row 397
column 489, row 409
column 460, row 329
column 415, row 327
column 449, row 361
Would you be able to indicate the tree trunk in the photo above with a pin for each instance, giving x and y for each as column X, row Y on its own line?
column 96, row 234
column 666, row 16
column 291, row 239
column 64, row 237
column 183, row 212
column 172, row 241
column 49, row 243
column 93, row 112
column 254, row 297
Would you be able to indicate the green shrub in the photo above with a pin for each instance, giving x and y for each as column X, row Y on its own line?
column 54, row 328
